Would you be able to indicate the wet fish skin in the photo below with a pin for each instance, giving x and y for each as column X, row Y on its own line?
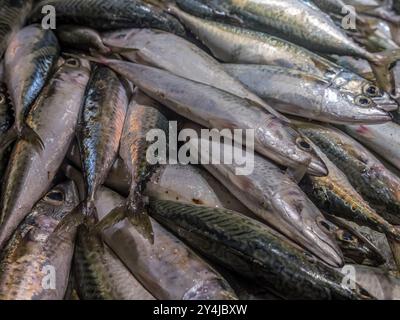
column 106, row 15
column 29, row 173
column 306, row 95
column 278, row 201
column 13, row 14
column 6, row 121
column 100, row 128
column 233, row 44
column 37, row 244
column 81, row 38
column 100, row 275
column 158, row 266
column 214, row 108
column 356, row 248
column 336, row 195
column 373, row 137
column 174, row 54
column 246, row 246
column 29, row 61
column 370, row 178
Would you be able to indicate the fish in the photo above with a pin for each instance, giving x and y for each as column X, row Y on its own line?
column 6, row 121
column 108, row 15
column 172, row 53
column 99, row 273
column 232, row 44
column 13, row 14
column 140, row 120
column 356, row 248
column 304, row 24
column 369, row 177
column 54, row 117
column 158, row 266
column 276, row 199
column 79, row 37
column 214, row 108
column 335, row 195
column 29, row 61
column 35, row 264
column 380, row 284
column 100, row 129
column 246, row 246
column 306, row 95
column 382, row 139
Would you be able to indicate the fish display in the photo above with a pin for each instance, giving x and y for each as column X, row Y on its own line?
column 199, row 150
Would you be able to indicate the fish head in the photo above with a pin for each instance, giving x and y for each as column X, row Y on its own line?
column 75, row 69
column 348, row 108
column 308, row 226
column 290, row 147
column 59, row 201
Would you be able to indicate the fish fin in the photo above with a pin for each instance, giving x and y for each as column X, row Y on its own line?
column 381, row 65
column 113, row 217
column 8, row 138
column 137, row 215
column 72, row 220
column 30, row 135
column 269, row 109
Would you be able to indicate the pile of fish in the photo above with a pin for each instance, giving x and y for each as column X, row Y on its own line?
column 85, row 215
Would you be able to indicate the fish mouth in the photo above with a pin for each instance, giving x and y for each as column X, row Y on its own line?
column 317, row 167
column 385, row 105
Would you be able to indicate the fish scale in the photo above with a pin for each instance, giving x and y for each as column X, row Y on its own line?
column 100, row 128
column 257, row 254
column 105, row 14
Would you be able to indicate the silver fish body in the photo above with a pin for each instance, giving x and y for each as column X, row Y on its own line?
column 36, row 262
column 54, row 117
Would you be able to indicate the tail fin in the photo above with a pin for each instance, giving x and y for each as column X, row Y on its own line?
column 381, row 64
column 138, row 217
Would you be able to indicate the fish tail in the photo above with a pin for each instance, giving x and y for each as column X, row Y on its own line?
column 113, row 217
column 381, row 64
column 30, row 135
column 8, row 138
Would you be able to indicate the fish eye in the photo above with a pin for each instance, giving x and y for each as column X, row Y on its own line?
column 347, row 236
column 303, row 144
column 72, row 62
column 372, row 91
column 2, row 98
column 363, row 101
column 55, row 197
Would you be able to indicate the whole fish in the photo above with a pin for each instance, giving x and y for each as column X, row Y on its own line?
column 246, row 246
column 375, row 183
column 356, row 248
column 54, row 117
column 106, row 14
column 13, row 14
column 304, row 24
column 100, row 129
column 306, row 95
column 277, row 200
column 81, row 38
column 99, row 274
column 174, row 54
column 35, row 264
column 28, row 63
column 168, row 269
column 214, row 108
column 336, row 195
column 237, row 45
column 382, row 139
column 140, row 120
